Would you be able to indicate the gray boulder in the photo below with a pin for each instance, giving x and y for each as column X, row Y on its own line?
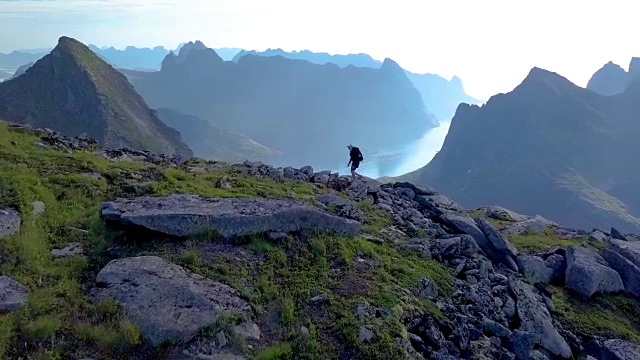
column 618, row 235
column 500, row 213
column 466, row 225
column 463, row 245
column 71, row 249
column 628, row 271
column 558, row 265
column 588, row 273
column 599, row 236
column 13, row 295
column 188, row 215
column 532, row 226
column 616, row 349
column 628, row 249
column 342, row 207
column 9, row 222
column 497, row 240
column 533, row 267
column 165, row 301
column 535, row 319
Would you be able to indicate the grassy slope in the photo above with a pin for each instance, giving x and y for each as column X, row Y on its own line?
column 60, row 322
column 278, row 279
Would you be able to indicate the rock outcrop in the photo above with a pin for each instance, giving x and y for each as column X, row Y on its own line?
column 588, row 273
column 165, row 301
column 185, row 215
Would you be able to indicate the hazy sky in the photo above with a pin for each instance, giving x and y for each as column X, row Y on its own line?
column 490, row 44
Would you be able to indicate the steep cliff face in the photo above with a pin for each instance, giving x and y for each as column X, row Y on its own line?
column 73, row 91
column 548, row 147
column 306, row 111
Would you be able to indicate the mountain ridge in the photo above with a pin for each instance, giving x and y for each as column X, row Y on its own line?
column 258, row 94
column 440, row 96
column 541, row 138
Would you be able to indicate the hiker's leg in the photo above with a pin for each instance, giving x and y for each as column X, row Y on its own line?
column 353, row 170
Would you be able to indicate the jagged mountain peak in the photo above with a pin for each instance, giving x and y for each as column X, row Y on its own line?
column 539, row 78
column 74, row 91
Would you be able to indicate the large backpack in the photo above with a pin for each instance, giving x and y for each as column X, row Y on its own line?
column 358, row 153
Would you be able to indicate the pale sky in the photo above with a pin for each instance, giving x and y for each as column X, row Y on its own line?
column 490, row 44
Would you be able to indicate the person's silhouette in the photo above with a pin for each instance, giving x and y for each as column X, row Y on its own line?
column 355, row 157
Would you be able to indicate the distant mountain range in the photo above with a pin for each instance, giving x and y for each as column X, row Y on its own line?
column 440, row 96
column 306, row 111
column 548, row 147
column 133, row 58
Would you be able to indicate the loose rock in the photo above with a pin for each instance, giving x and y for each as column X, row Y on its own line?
column 9, row 222
column 71, row 249
column 13, row 295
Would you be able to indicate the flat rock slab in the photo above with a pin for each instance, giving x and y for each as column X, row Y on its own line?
column 588, row 273
column 9, row 222
column 189, row 215
column 165, row 301
column 13, row 295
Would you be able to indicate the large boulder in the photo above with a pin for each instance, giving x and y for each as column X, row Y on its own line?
column 628, row 271
column 533, row 226
column 466, row 225
column 535, row 319
column 497, row 240
column 534, row 268
column 189, row 215
column 628, row 249
column 165, row 301
column 588, row 273
column 9, row 222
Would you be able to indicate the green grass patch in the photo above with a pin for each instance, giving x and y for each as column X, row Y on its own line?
column 610, row 316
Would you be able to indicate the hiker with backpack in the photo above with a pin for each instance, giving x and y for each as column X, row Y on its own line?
column 355, row 157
